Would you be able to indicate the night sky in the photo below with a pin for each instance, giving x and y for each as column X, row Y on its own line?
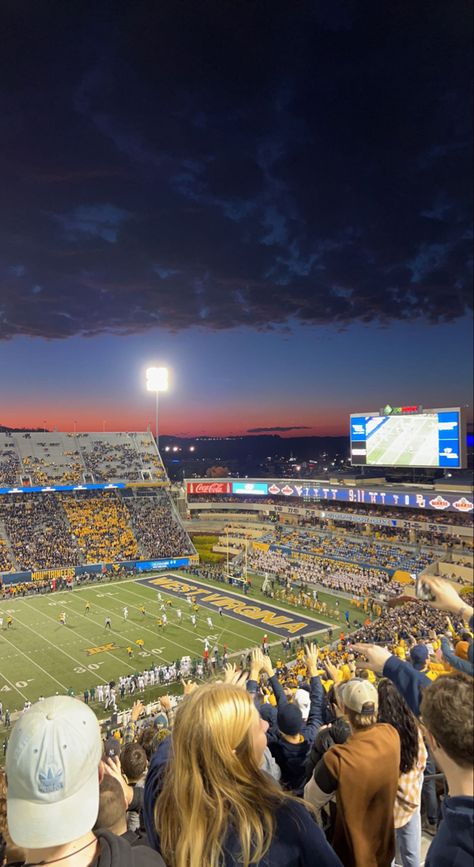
column 271, row 198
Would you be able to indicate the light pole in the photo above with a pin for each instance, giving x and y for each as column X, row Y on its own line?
column 157, row 380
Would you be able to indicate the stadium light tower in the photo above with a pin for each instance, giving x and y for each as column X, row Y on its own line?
column 157, row 380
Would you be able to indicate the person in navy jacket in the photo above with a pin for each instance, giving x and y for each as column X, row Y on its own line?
column 208, row 802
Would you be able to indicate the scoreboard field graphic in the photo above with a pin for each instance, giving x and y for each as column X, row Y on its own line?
column 429, row 439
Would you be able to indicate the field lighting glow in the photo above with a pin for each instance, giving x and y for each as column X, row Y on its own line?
column 157, row 379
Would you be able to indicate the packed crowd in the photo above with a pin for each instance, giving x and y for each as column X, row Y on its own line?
column 38, row 531
column 6, row 564
column 332, row 574
column 53, row 530
column 324, row 762
column 101, row 526
column 155, row 525
column 366, row 551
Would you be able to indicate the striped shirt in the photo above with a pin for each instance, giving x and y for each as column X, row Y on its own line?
column 408, row 797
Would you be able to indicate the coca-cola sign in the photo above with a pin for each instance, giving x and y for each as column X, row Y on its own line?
column 209, row 488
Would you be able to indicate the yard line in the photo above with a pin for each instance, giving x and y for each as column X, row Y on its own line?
column 224, row 629
column 64, row 652
column 35, row 663
column 15, row 687
column 148, row 629
column 89, row 618
column 87, row 640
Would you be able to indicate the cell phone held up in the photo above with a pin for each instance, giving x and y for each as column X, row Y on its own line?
column 422, row 590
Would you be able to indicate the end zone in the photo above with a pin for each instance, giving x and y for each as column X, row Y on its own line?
column 253, row 612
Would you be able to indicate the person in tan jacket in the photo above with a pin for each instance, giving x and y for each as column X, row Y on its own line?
column 362, row 774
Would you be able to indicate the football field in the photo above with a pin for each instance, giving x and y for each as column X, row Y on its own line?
column 40, row 656
column 404, row 441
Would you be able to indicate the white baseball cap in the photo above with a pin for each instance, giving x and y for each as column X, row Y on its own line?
column 303, row 700
column 52, row 766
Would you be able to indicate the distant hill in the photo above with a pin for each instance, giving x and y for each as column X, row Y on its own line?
column 262, row 446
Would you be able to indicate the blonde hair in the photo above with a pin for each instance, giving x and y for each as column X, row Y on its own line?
column 213, row 783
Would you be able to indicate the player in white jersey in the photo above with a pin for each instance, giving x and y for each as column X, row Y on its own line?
column 193, row 620
column 125, row 613
column 1, row 622
column 179, row 614
column 159, row 597
column 100, row 693
column 189, row 600
column 210, row 623
column 165, row 620
column 107, row 623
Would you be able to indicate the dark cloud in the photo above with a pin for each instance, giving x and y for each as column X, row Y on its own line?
column 233, row 164
column 257, row 430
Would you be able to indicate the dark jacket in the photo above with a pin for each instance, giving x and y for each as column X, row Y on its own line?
column 297, row 842
column 409, row 682
column 316, row 710
column 117, row 852
column 453, row 845
column 336, row 733
column 136, row 838
column 465, row 665
column 291, row 759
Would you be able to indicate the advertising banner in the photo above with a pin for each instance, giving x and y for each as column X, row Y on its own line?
column 50, row 574
column 48, row 489
column 377, row 497
column 171, row 563
column 421, row 499
column 209, row 488
column 250, row 488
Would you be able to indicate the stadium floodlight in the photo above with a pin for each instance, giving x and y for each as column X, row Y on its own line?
column 157, row 380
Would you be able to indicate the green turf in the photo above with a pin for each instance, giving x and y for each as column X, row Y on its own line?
column 39, row 656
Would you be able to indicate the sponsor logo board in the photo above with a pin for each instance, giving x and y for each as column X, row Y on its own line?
column 463, row 505
column 439, row 503
column 209, row 488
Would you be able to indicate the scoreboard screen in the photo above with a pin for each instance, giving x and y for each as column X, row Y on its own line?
column 433, row 438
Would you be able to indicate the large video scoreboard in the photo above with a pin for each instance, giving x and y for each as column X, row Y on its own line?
column 408, row 437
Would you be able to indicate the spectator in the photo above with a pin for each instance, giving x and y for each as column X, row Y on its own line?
column 112, row 814
column 213, row 805
column 394, row 710
column 134, row 763
column 447, row 713
column 461, row 658
column 335, row 732
column 54, row 769
column 363, row 774
column 291, row 742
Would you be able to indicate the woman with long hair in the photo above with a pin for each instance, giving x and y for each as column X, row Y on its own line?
column 213, row 805
column 394, row 710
